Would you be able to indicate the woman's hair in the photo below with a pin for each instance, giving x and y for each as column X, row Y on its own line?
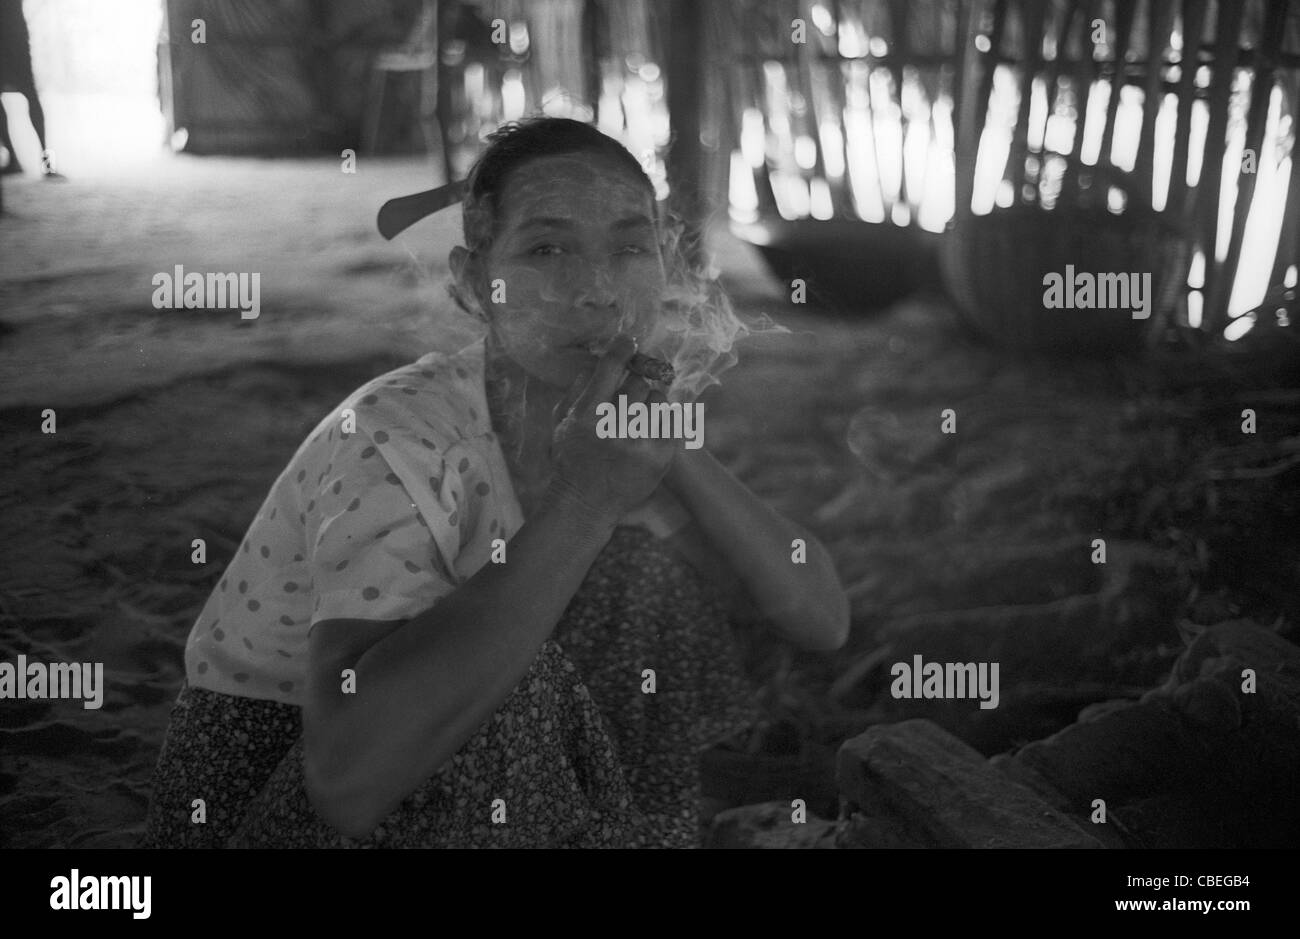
column 697, row 328
column 516, row 143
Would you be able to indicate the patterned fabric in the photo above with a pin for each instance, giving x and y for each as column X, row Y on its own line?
column 220, row 749
column 393, row 501
column 579, row 754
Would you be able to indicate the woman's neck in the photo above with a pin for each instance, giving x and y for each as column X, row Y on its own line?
column 521, row 409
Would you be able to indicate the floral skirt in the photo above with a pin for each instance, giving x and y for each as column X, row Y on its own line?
column 597, row 746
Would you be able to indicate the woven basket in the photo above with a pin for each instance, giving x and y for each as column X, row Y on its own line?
column 994, row 265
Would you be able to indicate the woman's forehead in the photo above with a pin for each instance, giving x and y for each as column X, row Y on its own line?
column 573, row 185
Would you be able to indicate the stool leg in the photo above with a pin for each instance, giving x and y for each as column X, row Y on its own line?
column 430, row 123
column 375, row 109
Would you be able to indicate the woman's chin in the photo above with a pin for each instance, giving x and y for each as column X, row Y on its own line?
column 559, row 373
column 562, row 369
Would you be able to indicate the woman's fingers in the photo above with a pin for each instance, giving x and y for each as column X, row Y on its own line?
column 571, row 395
column 609, row 373
column 636, row 388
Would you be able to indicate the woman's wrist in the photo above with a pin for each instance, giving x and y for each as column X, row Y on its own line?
column 566, row 501
column 685, row 465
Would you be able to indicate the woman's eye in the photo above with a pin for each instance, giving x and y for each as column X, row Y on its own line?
column 546, row 250
column 631, row 249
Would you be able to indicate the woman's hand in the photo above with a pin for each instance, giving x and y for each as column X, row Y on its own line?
column 609, row 476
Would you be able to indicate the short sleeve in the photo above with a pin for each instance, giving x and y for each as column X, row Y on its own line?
column 378, row 551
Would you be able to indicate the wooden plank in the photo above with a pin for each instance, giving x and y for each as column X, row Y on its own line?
column 916, row 777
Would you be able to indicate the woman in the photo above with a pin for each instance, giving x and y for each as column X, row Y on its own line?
column 494, row 626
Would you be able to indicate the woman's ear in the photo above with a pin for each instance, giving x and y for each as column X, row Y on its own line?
column 459, row 262
column 465, row 274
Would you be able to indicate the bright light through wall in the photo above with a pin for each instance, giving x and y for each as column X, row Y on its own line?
column 96, row 69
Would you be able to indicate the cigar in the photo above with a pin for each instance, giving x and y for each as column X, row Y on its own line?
column 647, row 366
column 651, row 369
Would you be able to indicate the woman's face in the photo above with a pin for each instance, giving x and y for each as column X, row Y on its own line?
column 575, row 261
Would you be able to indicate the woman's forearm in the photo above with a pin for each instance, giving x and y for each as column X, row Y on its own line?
column 804, row 601
column 424, row 689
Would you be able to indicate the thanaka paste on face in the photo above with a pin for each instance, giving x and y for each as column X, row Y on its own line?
column 549, row 307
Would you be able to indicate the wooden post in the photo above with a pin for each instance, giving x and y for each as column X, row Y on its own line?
column 595, row 33
column 448, row 13
column 1189, row 62
column 685, row 160
column 1226, row 44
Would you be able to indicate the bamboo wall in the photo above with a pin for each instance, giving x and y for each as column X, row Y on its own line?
column 930, row 112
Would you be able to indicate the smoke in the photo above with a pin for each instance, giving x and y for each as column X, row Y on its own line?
column 697, row 332
column 697, row 329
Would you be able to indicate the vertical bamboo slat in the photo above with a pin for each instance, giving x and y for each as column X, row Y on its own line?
column 899, row 53
column 1226, row 34
column 972, row 110
column 1085, row 71
column 1193, row 26
column 1162, row 18
column 804, row 65
column 986, row 78
column 1033, row 14
column 1256, row 123
column 1288, row 248
column 1125, row 15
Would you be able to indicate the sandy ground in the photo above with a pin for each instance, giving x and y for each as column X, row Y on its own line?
column 171, row 425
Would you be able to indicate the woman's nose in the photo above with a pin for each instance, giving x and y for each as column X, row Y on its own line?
column 596, row 290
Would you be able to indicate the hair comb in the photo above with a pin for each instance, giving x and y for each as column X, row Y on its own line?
column 397, row 215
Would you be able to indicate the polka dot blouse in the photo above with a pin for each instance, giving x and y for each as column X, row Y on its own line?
column 395, row 499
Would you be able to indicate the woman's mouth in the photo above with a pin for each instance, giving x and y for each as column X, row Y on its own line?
column 646, row 366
